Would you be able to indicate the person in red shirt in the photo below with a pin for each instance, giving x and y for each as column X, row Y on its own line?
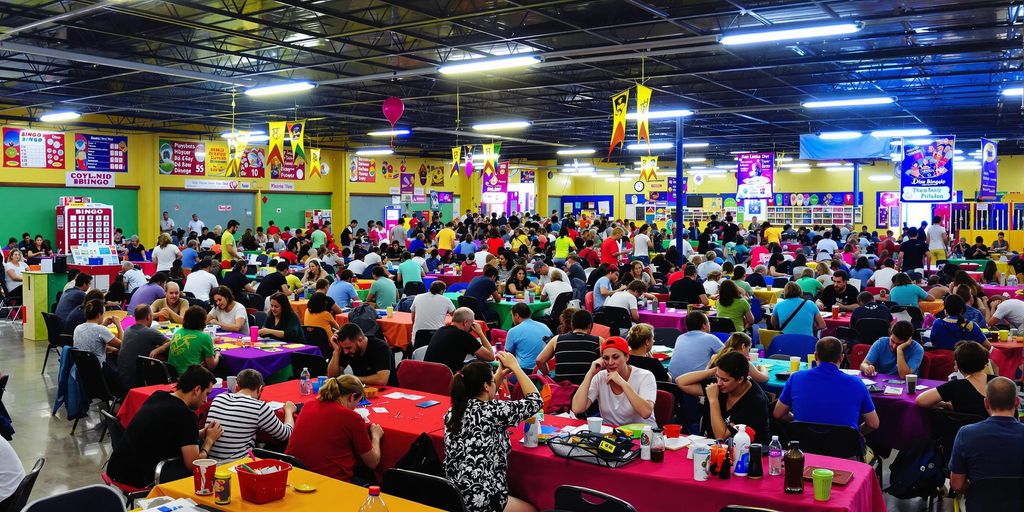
column 288, row 255
column 589, row 254
column 887, row 245
column 272, row 229
column 329, row 434
column 610, row 248
column 494, row 242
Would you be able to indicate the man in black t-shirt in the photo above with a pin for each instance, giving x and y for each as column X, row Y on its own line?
column 347, row 233
column 275, row 282
column 869, row 308
column 370, row 358
column 452, row 343
column 687, row 289
column 912, row 252
column 165, row 427
column 839, row 293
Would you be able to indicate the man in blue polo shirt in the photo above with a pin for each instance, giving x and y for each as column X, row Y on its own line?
column 343, row 291
column 526, row 338
column 824, row 394
column 993, row 448
column 897, row 354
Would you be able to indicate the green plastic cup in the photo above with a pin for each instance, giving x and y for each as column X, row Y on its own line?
column 822, row 484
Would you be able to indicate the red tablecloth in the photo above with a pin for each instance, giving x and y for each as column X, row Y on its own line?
column 675, row 319
column 147, row 267
column 1008, row 356
column 137, row 396
column 535, row 473
column 397, row 329
column 833, row 323
column 992, row 289
column 792, row 247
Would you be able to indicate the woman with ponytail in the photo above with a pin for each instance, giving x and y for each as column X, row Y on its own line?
column 329, row 435
column 476, row 441
column 946, row 332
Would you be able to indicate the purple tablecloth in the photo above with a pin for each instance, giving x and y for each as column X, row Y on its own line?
column 238, row 359
column 674, row 319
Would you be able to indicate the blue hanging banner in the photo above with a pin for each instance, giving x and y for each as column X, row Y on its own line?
column 926, row 173
column 989, row 170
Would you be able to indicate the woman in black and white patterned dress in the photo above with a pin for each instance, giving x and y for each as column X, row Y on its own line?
column 476, row 440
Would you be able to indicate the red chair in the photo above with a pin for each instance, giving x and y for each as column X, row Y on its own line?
column 588, row 301
column 498, row 337
column 425, row 376
column 857, row 355
column 940, row 365
column 601, row 331
column 664, row 404
column 926, row 366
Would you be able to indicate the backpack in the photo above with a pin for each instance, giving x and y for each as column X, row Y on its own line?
column 422, row 457
column 557, row 394
column 366, row 318
column 917, row 472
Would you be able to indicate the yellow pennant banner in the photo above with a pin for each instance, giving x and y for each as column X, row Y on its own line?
column 314, row 163
column 643, row 106
column 456, row 158
column 620, row 104
column 649, row 168
column 275, row 157
column 490, row 159
column 296, row 131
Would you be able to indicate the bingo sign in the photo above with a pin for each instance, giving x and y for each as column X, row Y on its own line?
column 754, row 175
column 926, row 173
column 182, row 158
column 33, row 149
column 101, row 153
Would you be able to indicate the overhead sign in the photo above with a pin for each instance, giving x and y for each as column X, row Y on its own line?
column 89, row 179
column 926, row 173
column 37, row 149
column 989, row 170
column 200, row 184
column 754, row 175
column 101, row 153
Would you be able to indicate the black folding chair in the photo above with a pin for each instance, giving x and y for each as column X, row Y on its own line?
column 870, row 329
column 413, row 288
column 478, row 309
column 15, row 502
column 317, row 365
column 90, row 374
column 580, row 499
column 722, row 324
column 617, row 319
column 317, row 336
column 429, row 490
column 94, row 498
column 262, row 453
column 55, row 337
column 944, row 426
column 553, row 319
column 422, row 338
column 153, row 372
column 169, row 470
column 666, row 336
column 117, row 430
column 842, row 441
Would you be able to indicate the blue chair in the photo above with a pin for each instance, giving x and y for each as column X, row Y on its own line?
column 457, row 287
column 768, row 281
column 724, row 336
column 792, row 345
column 756, row 310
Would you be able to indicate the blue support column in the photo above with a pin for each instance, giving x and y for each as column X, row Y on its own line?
column 678, row 224
column 856, row 189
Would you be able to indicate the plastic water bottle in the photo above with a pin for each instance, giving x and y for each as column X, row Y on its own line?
column 775, row 457
column 1011, row 280
column 305, row 385
column 373, row 502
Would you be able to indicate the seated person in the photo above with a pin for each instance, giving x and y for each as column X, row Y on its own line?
column 463, row 337
column 318, row 315
column 329, row 435
column 282, row 323
column 868, row 307
column 641, row 340
column 688, row 290
column 94, row 336
column 172, row 307
column 624, row 394
column 796, row 315
column 228, row 314
column 730, row 398
column 201, row 282
column 574, row 351
column 993, row 448
column 840, row 293
column 139, row 340
column 897, row 354
column 904, row 292
column 342, row 291
column 237, row 281
column 517, row 281
column 150, row 292
column 370, row 359
column 74, row 296
column 1006, row 312
column 695, row 347
column 242, row 415
column 164, row 428
column 190, row 345
column 738, row 342
column 627, row 299
column 808, row 284
column 954, row 327
column 824, row 394
column 731, row 305
column 966, row 394
column 273, row 282
column 605, row 287
column 526, row 338
column 483, row 288
column 383, row 292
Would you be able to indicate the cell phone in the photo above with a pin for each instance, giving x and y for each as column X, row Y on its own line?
column 895, row 381
column 428, row 403
column 298, row 408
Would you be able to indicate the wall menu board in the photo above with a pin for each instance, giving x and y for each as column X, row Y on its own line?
column 183, row 158
column 101, row 153
column 27, row 148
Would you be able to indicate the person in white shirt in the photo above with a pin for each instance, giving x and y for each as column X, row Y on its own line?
column 712, row 283
column 11, row 471
column 430, row 310
column 480, row 258
column 227, row 314
column 195, row 225
column 556, row 287
column 133, row 277
column 642, row 245
column 545, row 273
column 372, row 257
column 882, row 277
column 242, row 415
column 165, row 253
column 166, row 223
column 938, row 240
column 708, row 266
column 627, row 299
column 207, row 244
column 1008, row 311
column 826, row 248
column 637, row 387
column 201, row 282
column 357, row 267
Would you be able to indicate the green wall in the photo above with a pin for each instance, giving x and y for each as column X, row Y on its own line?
column 293, row 209
column 32, row 209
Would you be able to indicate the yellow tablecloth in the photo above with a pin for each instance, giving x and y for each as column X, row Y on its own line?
column 768, row 295
column 331, row 494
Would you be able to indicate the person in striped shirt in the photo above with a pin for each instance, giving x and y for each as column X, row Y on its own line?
column 242, row 414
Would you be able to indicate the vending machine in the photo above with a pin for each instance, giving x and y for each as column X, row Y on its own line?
column 80, row 221
column 391, row 216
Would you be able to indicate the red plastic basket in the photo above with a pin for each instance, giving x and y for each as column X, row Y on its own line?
column 260, row 489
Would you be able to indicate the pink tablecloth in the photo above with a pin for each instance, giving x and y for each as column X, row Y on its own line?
column 674, row 319
column 450, row 279
column 992, row 289
column 1008, row 356
column 792, row 247
column 832, row 324
column 535, row 473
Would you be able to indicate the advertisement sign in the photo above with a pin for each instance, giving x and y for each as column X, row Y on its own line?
column 989, row 170
column 362, row 170
column 217, row 159
column 27, row 148
column 185, row 158
column 812, row 199
column 89, row 179
column 292, row 168
column 754, row 175
column 527, row 176
column 108, row 153
column 926, row 173
column 496, row 179
column 253, row 162
column 445, row 197
column 204, row 184
column 406, row 186
column 635, row 199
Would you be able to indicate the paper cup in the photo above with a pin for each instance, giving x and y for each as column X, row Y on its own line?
column 661, row 307
column 754, row 354
column 794, row 363
column 911, row 383
column 835, row 311
column 822, row 484
column 594, row 424
column 203, row 471
column 232, row 383
column 1004, row 335
column 673, row 431
column 810, row 360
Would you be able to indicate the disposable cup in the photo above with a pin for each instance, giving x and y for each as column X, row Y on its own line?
column 794, row 363
column 203, row 471
column 911, row 383
column 822, row 484
column 594, row 424
column 673, row 431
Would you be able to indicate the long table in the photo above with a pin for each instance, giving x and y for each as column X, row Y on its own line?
column 397, row 329
column 504, row 310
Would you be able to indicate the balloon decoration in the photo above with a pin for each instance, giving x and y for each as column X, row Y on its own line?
column 393, row 109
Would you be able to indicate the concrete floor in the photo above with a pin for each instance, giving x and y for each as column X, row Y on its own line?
column 76, row 461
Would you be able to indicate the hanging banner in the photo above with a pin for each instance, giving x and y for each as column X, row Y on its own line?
column 100, row 153
column 643, row 105
column 989, row 170
column 275, row 155
column 217, row 158
column 185, row 158
column 620, row 104
column 314, row 163
column 291, row 168
column 502, row 174
column 649, row 168
column 754, row 175
column 423, row 172
column 527, row 176
column 469, row 161
column 456, row 158
column 926, row 173
column 253, row 162
column 436, row 175
column 27, row 149
column 296, row 130
column 490, row 172
column 234, row 160
column 406, row 186
column 495, row 179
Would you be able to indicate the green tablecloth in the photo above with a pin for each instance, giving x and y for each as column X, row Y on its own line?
column 454, row 297
column 961, row 261
column 362, row 293
column 504, row 310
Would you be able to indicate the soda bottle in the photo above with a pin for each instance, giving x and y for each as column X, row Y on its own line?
column 373, row 502
column 305, row 386
column 775, row 457
column 794, row 461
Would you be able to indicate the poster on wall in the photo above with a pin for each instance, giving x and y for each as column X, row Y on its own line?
column 182, row 158
column 754, row 175
column 33, row 149
column 436, row 175
column 362, row 170
column 445, row 197
column 887, row 204
column 253, row 161
column 812, row 199
column 101, row 153
column 527, row 176
column 388, row 170
column 406, row 186
column 292, row 168
column 926, row 173
column 989, row 170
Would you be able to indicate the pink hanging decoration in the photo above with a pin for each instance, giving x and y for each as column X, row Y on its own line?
column 393, row 109
column 469, row 168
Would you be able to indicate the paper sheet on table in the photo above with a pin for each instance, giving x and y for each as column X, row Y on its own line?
column 274, row 406
column 660, row 349
column 676, row 443
column 227, row 346
column 382, row 410
column 294, row 345
column 395, row 395
column 164, row 504
column 413, row 397
column 892, row 390
column 867, row 382
column 362, row 412
column 851, row 372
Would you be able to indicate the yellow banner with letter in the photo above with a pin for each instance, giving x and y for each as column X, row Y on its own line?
column 643, row 106
column 620, row 104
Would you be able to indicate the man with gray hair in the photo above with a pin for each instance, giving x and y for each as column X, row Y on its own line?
column 993, row 448
column 133, row 277
column 451, row 344
column 242, row 415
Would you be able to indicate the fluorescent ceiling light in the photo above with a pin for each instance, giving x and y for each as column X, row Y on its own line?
column 740, row 152
column 881, row 177
column 651, row 146
column 662, row 114
column 695, row 144
column 576, row 151
column 895, row 157
column 375, row 151
column 838, row 169
column 270, row 90
column 257, row 138
column 700, row 168
column 476, row 66
column 1014, row 91
column 241, row 133
column 55, row 117
column 920, row 142
column 796, row 164
column 839, row 135
column 694, row 159
column 784, row 159
column 388, row 133
column 726, row 166
column 902, row 132
column 850, row 102
column 706, row 172
column 501, row 125
column 782, row 34
column 958, row 151
column 800, row 169
column 629, row 175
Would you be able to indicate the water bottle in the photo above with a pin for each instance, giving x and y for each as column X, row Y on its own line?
column 373, row 502
column 305, row 386
column 775, row 457
column 1011, row 280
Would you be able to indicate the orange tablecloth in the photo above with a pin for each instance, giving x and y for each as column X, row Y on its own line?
column 397, row 329
column 299, row 306
column 930, row 306
column 330, row 494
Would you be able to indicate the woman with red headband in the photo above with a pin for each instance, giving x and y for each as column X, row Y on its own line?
column 625, row 394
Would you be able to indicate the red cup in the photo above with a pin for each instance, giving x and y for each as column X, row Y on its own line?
column 673, row 431
column 203, row 472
